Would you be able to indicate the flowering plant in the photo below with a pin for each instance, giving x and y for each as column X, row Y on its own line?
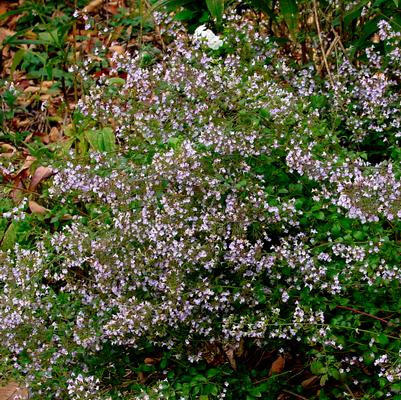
column 228, row 218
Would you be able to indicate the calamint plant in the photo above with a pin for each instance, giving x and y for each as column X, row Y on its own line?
column 237, row 208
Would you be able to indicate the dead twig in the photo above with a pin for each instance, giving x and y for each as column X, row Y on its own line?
column 363, row 313
column 349, row 391
column 321, row 42
column 298, row 396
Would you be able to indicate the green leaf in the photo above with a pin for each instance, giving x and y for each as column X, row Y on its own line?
column 396, row 387
column 184, row 15
column 18, row 57
column 211, row 388
column 382, row 339
column 212, row 372
column 323, row 379
column 317, row 368
column 216, row 9
column 101, row 140
column 289, row 11
column 9, row 237
column 49, row 37
column 116, row 81
column 359, row 235
column 333, row 372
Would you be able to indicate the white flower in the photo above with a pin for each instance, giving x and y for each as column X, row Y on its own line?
column 199, row 32
column 203, row 34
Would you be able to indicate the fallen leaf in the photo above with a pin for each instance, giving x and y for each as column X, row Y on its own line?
column 17, row 194
column 7, row 150
column 54, row 135
column 141, row 377
column 3, row 7
column 32, row 89
column 27, row 164
column 4, row 33
column 239, row 351
column 277, row 366
column 30, row 35
column 230, row 353
column 92, row 6
column 307, row 383
column 151, row 360
column 40, row 174
column 117, row 49
column 112, row 8
column 37, row 208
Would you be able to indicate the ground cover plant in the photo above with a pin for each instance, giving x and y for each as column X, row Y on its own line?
column 219, row 218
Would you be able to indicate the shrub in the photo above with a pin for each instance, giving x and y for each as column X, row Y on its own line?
column 229, row 214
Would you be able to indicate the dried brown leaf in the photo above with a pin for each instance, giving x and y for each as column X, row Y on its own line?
column 277, row 366
column 93, row 6
column 7, row 150
column 54, row 135
column 3, row 7
column 239, row 351
column 32, row 89
column 4, row 33
column 40, row 174
column 117, row 49
column 30, row 35
column 29, row 160
column 151, row 360
column 37, row 208
column 17, row 194
column 230, row 353
column 307, row 383
column 141, row 377
column 112, row 8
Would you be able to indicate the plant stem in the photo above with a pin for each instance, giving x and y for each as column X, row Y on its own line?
column 363, row 313
column 321, row 42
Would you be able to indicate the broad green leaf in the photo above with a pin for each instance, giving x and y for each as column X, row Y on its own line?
column 116, row 81
column 109, row 140
column 382, row 339
column 9, row 237
column 49, row 37
column 212, row 372
column 317, row 368
column 101, row 140
column 289, row 11
column 184, row 15
column 216, row 9
column 18, row 57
